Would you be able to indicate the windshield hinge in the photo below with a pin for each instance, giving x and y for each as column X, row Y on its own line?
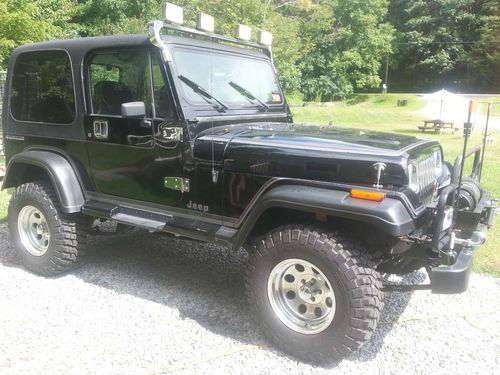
column 177, row 183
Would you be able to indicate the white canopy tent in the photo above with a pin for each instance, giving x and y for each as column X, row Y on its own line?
column 446, row 106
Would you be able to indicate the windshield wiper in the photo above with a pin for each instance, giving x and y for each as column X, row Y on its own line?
column 217, row 104
column 248, row 95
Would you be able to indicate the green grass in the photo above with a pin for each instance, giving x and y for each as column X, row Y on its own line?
column 495, row 109
column 379, row 112
column 366, row 111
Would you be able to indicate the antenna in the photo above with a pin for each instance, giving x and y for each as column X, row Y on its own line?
column 211, row 27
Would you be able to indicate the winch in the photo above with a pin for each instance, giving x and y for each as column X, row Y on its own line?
column 470, row 194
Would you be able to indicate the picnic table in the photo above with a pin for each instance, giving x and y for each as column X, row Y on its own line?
column 437, row 125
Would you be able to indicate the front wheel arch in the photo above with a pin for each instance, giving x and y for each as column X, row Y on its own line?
column 389, row 216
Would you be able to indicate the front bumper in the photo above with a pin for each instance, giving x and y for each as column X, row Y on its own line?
column 454, row 278
column 456, row 245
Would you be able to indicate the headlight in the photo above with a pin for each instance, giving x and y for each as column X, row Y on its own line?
column 438, row 162
column 413, row 177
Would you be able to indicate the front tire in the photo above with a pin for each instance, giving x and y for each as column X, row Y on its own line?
column 48, row 241
column 314, row 294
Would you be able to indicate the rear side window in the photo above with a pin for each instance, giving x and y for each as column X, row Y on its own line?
column 42, row 88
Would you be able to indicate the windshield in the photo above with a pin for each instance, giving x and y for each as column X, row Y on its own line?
column 218, row 73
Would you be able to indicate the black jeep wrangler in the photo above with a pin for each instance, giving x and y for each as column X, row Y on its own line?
column 187, row 133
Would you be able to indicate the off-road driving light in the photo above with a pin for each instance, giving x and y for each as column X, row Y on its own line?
column 367, row 195
column 243, row 32
column 266, row 38
column 206, row 22
column 173, row 13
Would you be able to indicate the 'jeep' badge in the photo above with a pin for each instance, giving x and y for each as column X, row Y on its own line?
column 197, row 207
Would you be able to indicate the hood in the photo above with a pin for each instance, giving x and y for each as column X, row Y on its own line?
column 310, row 152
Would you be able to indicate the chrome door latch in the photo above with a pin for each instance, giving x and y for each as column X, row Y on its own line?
column 101, row 129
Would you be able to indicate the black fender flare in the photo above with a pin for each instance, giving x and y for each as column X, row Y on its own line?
column 60, row 171
column 390, row 215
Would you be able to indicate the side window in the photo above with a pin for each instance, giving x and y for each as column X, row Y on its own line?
column 118, row 77
column 42, row 88
column 164, row 103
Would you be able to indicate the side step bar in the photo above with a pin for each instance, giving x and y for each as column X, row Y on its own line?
column 153, row 222
column 162, row 222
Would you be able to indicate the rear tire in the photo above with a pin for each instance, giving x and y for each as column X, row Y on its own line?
column 314, row 294
column 48, row 240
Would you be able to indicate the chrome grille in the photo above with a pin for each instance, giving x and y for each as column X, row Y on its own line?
column 427, row 179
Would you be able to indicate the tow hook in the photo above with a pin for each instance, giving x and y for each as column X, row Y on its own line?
column 478, row 238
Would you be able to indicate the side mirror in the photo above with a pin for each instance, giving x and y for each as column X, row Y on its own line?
column 133, row 110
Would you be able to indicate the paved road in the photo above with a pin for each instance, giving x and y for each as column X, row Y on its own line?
column 151, row 305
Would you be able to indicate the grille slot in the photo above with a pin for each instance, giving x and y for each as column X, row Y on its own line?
column 427, row 179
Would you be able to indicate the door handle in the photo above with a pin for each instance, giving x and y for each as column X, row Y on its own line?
column 171, row 134
column 101, row 129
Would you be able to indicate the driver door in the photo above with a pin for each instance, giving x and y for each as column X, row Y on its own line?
column 123, row 152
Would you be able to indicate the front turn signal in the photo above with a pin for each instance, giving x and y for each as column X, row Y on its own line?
column 368, row 195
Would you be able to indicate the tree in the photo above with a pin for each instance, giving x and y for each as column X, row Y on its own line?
column 25, row 21
column 106, row 17
column 444, row 43
column 481, row 61
column 345, row 42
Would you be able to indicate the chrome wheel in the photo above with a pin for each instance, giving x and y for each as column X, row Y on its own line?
column 301, row 296
column 33, row 230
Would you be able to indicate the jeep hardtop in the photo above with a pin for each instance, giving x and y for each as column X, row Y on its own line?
column 187, row 133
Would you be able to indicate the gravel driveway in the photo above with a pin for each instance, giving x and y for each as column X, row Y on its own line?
column 149, row 305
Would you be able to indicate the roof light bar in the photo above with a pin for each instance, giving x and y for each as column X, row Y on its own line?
column 173, row 13
column 206, row 22
column 266, row 38
column 243, row 32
